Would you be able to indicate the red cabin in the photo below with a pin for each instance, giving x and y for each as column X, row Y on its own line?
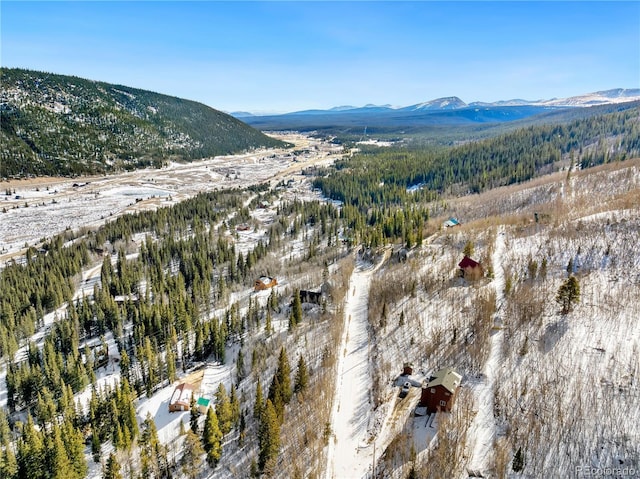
column 440, row 392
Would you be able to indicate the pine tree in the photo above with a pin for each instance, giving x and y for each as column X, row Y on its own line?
column 518, row 461
column 284, row 376
column 570, row 266
column 31, row 452
column 275, row 396
column 568, row 295
column 296, row 309
column 234, row 403
column 268, row 439
column 194, row 415
column 223, row 409
column 57, row 461
column 118, row 440
column 302, row 376
column 95, row 446
column 192, row 455
column 242, row 429
column 171, row 365
column 112, row 470
column 125, row 405
column 212, row 438
column 74, row 447
column 240, row 365
column 8, row 462
column 267, row 324
column 151, row 451
column 258, row 406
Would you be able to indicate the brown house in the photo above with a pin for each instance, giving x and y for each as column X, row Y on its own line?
column 181, row 398
column 440, row 392
column 470, row 269
column 265, row 282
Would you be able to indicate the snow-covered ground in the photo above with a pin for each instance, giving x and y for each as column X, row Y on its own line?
column 351, row 451
column 43, row 207
column 482, row 433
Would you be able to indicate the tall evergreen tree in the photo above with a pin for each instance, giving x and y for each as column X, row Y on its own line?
column 74, row 446
column 212, row 438
column 152, row 454
column 234, row 403
column 258, row 406
column 223, row 409
column 57, row 461
column 284, row 376
column 8, row 462
column 192, row 455
column 31, row 452
column 295, row 317
column 268, row 439
column 194, row 415
column 112, row 470
column 302, row 376
column 275, row 396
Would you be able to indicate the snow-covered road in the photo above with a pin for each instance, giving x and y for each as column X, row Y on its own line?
column 483, row 429
column 350, row 452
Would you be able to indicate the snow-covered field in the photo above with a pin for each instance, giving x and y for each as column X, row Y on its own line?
column 43, row 207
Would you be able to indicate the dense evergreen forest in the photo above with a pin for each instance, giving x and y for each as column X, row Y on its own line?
column 381, row 177
column 159, row 305
column 63, row 125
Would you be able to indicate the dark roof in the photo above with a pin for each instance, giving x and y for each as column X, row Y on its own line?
column 468, row 263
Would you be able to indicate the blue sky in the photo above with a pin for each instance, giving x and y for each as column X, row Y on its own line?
column 287, row 56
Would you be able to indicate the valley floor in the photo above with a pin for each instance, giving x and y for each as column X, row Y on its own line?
column 43, row 207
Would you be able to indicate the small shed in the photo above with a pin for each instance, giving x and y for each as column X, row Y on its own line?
column 407, row 369
column 440, row 392
column 181, row 398
column 203, row 404
column 470, row 269
column 265, row 282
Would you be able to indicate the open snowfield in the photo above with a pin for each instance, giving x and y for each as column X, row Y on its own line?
column 43, row 207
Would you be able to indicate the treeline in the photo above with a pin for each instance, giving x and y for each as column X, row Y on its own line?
column 383, row 177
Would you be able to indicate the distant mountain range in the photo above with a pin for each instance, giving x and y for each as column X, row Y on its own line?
column 617, row 95
column 448, row 112
column 63, row 125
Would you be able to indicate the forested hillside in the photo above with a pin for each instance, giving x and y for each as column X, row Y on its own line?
column 381, row 176
column 172, row 292
column 62, row 125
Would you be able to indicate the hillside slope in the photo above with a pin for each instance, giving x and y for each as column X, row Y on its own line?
column 561, row 388
column 63, row 125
